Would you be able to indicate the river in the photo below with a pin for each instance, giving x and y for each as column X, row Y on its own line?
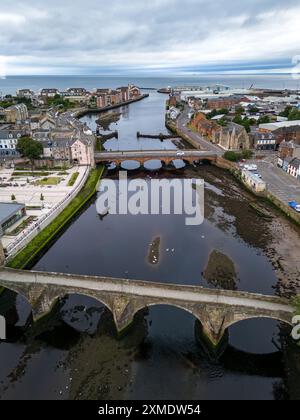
column 77, row 355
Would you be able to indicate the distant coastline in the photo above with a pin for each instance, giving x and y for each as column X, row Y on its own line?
column 278, row 81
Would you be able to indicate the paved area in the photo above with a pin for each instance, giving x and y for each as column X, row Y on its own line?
column 30, row 195
column 281, row 184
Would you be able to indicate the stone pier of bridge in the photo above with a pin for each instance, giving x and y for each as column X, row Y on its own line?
column 216, row 310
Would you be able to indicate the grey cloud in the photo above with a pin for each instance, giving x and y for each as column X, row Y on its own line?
column 85, row 29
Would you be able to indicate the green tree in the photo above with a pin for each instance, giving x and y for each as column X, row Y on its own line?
column 239, row 110
column 264, row 120
column 294, row 115
column 30, row 149
column 253, row 110
column 286, row 112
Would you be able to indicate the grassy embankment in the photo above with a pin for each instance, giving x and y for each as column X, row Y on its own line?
column 296, row 304
column 24, row 257
column 73, row 179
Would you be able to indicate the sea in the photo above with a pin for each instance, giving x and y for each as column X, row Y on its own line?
column 11, row 84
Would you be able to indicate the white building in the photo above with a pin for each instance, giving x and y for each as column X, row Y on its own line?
column 276, row 125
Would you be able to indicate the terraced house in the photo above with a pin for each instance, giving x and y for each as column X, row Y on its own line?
column 294, row 168
column 8, row 141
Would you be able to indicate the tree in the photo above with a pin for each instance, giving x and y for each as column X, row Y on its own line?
column 286, row 112
column 294, row 115
column 13, row 197
column 30, row 149
column 253, row 110
column 264, row 120
column 42, row 197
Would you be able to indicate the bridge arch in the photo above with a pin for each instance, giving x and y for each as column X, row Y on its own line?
column 170, row 305
column 251, row 317
column 18, row 291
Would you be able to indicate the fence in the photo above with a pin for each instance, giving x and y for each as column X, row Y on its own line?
column 16, row 246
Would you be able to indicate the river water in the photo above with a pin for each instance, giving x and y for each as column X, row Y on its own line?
column 77, row 354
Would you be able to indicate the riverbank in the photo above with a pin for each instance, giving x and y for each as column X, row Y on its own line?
column 26, row 256
column 85, row 111
column 235, row 170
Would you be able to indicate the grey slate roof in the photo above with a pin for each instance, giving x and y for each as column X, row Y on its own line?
column 7, row 210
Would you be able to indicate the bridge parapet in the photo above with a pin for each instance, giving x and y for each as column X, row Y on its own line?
column 217, row 310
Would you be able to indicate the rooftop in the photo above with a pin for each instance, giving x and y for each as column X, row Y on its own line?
column 7, row 210
column 275, row 125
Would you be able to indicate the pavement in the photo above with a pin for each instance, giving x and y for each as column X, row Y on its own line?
column 30, row 195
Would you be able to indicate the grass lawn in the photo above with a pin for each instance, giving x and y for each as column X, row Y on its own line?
column 48, row 181
column 24, row 257
column 73, row 179
column 28, row 174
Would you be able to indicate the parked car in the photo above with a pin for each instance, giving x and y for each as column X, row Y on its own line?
column 295, row 206
column 180, row 154
column 251, row 168
column 257, row 174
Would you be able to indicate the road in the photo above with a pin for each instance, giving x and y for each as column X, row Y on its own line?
column 281, row 184
column 154, row 154
column 203, row 143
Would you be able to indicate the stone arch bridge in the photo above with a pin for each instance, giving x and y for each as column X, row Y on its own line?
column 166, row 156
column 217, row 310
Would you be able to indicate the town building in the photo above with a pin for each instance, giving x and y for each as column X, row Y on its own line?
column 263, row 141
column 289, row 150
column 25, row 93
column 78, row 150
column 134, row 92
column 9, row 139
column 16, row 113
column 101, row 101
column 294, row 168
column 279, row 125
column 226, row 103
column 10, row 213
column 124, row 93
column 232, row 137
column 253, row 181
column 173, row 101
column 77, row 92
column 173, row 113
column 205, row 127
column 49, row 93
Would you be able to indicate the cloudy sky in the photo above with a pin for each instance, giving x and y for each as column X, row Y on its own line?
column 143, row 36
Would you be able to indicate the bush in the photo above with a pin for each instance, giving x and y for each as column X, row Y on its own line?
column 236, row 156
column 231, row 156
column 246, row 154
